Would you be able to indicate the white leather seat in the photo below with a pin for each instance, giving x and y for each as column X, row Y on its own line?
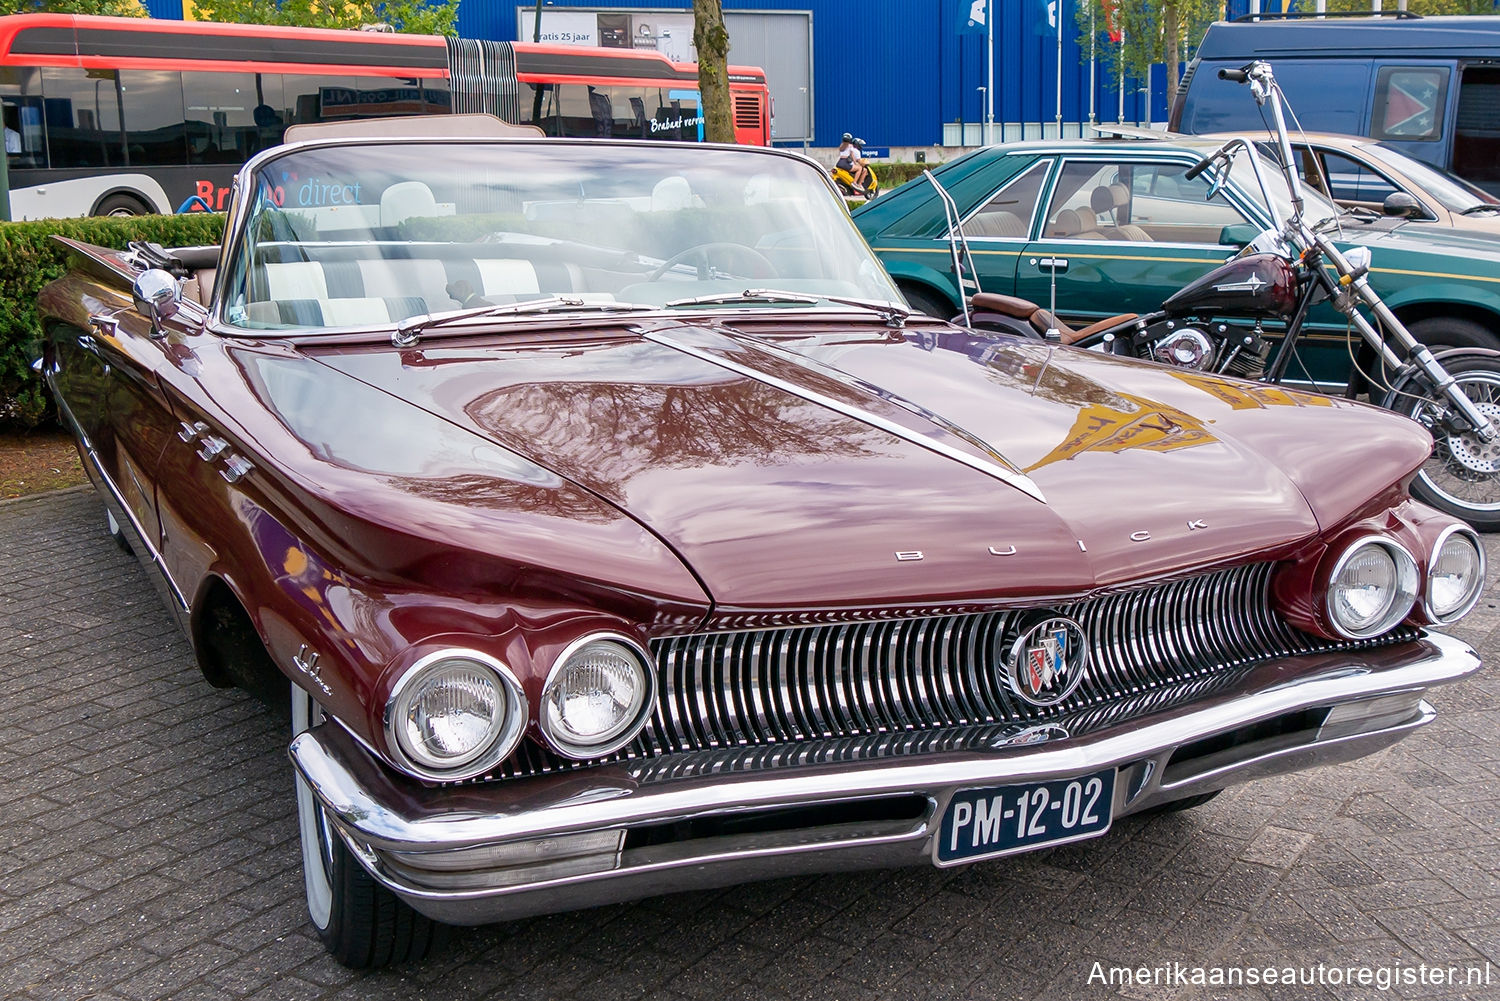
column 402, row 201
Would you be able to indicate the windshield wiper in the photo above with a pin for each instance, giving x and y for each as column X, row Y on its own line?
column 892, row 313
column 1481, row 207
column 749, row 295
column 409, row 331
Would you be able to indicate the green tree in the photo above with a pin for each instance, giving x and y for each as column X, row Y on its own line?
column 110, row 8
column 1149, row 32
column 712, row 41
column 1424, row 7
column 417, row 17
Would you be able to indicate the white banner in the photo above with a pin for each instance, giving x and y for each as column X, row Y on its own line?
column 560, row 27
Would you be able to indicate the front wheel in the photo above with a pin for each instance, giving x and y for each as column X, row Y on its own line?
column 361, row 923
column 1462, row 477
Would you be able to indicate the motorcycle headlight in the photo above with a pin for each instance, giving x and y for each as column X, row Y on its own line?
column 1372, row 588
column 455, row 714
column 599, row 694
column 1455, row 575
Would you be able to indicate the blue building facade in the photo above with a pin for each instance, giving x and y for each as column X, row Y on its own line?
column 913, row 72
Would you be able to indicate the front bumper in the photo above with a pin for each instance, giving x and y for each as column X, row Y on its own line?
column 502, row 850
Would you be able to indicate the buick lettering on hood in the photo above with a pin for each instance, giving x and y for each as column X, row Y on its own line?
column 615, row 529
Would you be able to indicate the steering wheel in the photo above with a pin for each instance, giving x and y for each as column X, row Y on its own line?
column 702, row 252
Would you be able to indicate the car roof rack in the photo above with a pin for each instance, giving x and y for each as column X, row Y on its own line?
column 1308, row 15
column 1119, row 130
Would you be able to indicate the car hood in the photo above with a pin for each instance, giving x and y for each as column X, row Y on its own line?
column 1461, row 249
column 868, row 467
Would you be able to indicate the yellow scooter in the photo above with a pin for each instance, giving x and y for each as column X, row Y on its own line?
column 844, row 178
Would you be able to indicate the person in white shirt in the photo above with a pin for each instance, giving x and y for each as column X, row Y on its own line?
column 847, row 149
column 861, row 168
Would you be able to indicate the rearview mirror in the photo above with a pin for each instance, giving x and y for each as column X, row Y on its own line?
column 1402, row 205
column 1238, row 234
column 157, row 295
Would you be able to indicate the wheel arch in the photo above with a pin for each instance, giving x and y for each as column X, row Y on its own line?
column 927, row 282
column 1485, row 313
column 147, row 201
column 229, row 648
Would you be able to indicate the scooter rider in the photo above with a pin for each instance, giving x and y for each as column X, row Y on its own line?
column 846, row 154
column 861, row 168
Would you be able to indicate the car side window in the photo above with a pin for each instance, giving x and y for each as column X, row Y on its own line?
column 1171, row 208
column 1009, row 211
column 1409, row 102
column 1351, row 181
column 1136, row 202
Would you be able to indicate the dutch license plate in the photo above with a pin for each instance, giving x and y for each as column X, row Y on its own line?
column 982, row 823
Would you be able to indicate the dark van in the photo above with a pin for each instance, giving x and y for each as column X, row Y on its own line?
column 1428, row 86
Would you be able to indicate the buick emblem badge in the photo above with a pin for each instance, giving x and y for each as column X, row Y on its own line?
column 1047, row 661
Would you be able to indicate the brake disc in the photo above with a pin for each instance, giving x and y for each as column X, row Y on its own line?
column 1474, row 454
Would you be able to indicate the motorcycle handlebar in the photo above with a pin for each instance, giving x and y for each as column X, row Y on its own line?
column 1237, row 76
column 1197, row 168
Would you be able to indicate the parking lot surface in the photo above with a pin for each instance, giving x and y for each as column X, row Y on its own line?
column 148, row 849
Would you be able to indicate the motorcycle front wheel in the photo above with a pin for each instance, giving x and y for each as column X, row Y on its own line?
column 1463, row 475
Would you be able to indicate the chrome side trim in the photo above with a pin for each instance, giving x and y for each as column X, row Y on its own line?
column 379, row 812
column 999, row 467
column 149, row 556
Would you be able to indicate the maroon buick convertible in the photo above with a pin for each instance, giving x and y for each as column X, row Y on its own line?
column 617, row 530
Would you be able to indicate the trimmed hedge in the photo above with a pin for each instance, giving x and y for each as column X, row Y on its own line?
column 30, row 258
column 893, row 175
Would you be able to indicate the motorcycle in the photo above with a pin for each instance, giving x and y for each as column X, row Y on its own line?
column 1216, row 324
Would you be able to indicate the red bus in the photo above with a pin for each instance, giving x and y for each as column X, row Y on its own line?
column 120, row 116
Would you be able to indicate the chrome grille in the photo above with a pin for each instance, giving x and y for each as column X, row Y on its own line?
column 770, row 687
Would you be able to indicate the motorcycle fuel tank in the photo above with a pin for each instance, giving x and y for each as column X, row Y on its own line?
column 1260, row 284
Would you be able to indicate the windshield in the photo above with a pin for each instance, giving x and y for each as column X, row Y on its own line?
column 373, row 234
column 1316, row 208
column 1453, row 193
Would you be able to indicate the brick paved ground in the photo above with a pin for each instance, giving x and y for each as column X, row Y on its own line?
column 148, row 850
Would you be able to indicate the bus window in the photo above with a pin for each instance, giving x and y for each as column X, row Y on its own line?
column 317, row 98
column 82, row 112
column 155, row 134
column 575, row 113
column 677, row 116
column 383, row 97
column 539, row 106
column 231, row 116
column 21, row 103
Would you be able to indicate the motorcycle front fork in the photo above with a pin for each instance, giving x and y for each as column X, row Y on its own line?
column 1421, row 356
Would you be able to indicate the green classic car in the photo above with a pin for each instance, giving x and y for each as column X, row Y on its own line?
column 1118, row 227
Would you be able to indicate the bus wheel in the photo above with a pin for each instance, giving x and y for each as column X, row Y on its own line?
column 120, row 206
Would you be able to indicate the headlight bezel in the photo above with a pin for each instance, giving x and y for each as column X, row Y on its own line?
column 508, row 734
column 1437, row 547
column 1407, row 572
column 572, row 750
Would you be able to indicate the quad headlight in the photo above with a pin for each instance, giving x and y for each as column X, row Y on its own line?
column 598, row 695
column 1455, row 575
column 455, row 714
column 1372, row 588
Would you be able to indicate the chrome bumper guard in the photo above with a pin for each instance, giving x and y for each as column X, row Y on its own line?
column 501, row 850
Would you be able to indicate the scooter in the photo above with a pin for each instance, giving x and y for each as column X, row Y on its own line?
column 849, row 189
column 1215, row 325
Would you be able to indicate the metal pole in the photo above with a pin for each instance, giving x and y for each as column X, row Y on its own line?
column 1092, row 65
column 1058, row 112
column 1120, row 115
column 989, row 71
